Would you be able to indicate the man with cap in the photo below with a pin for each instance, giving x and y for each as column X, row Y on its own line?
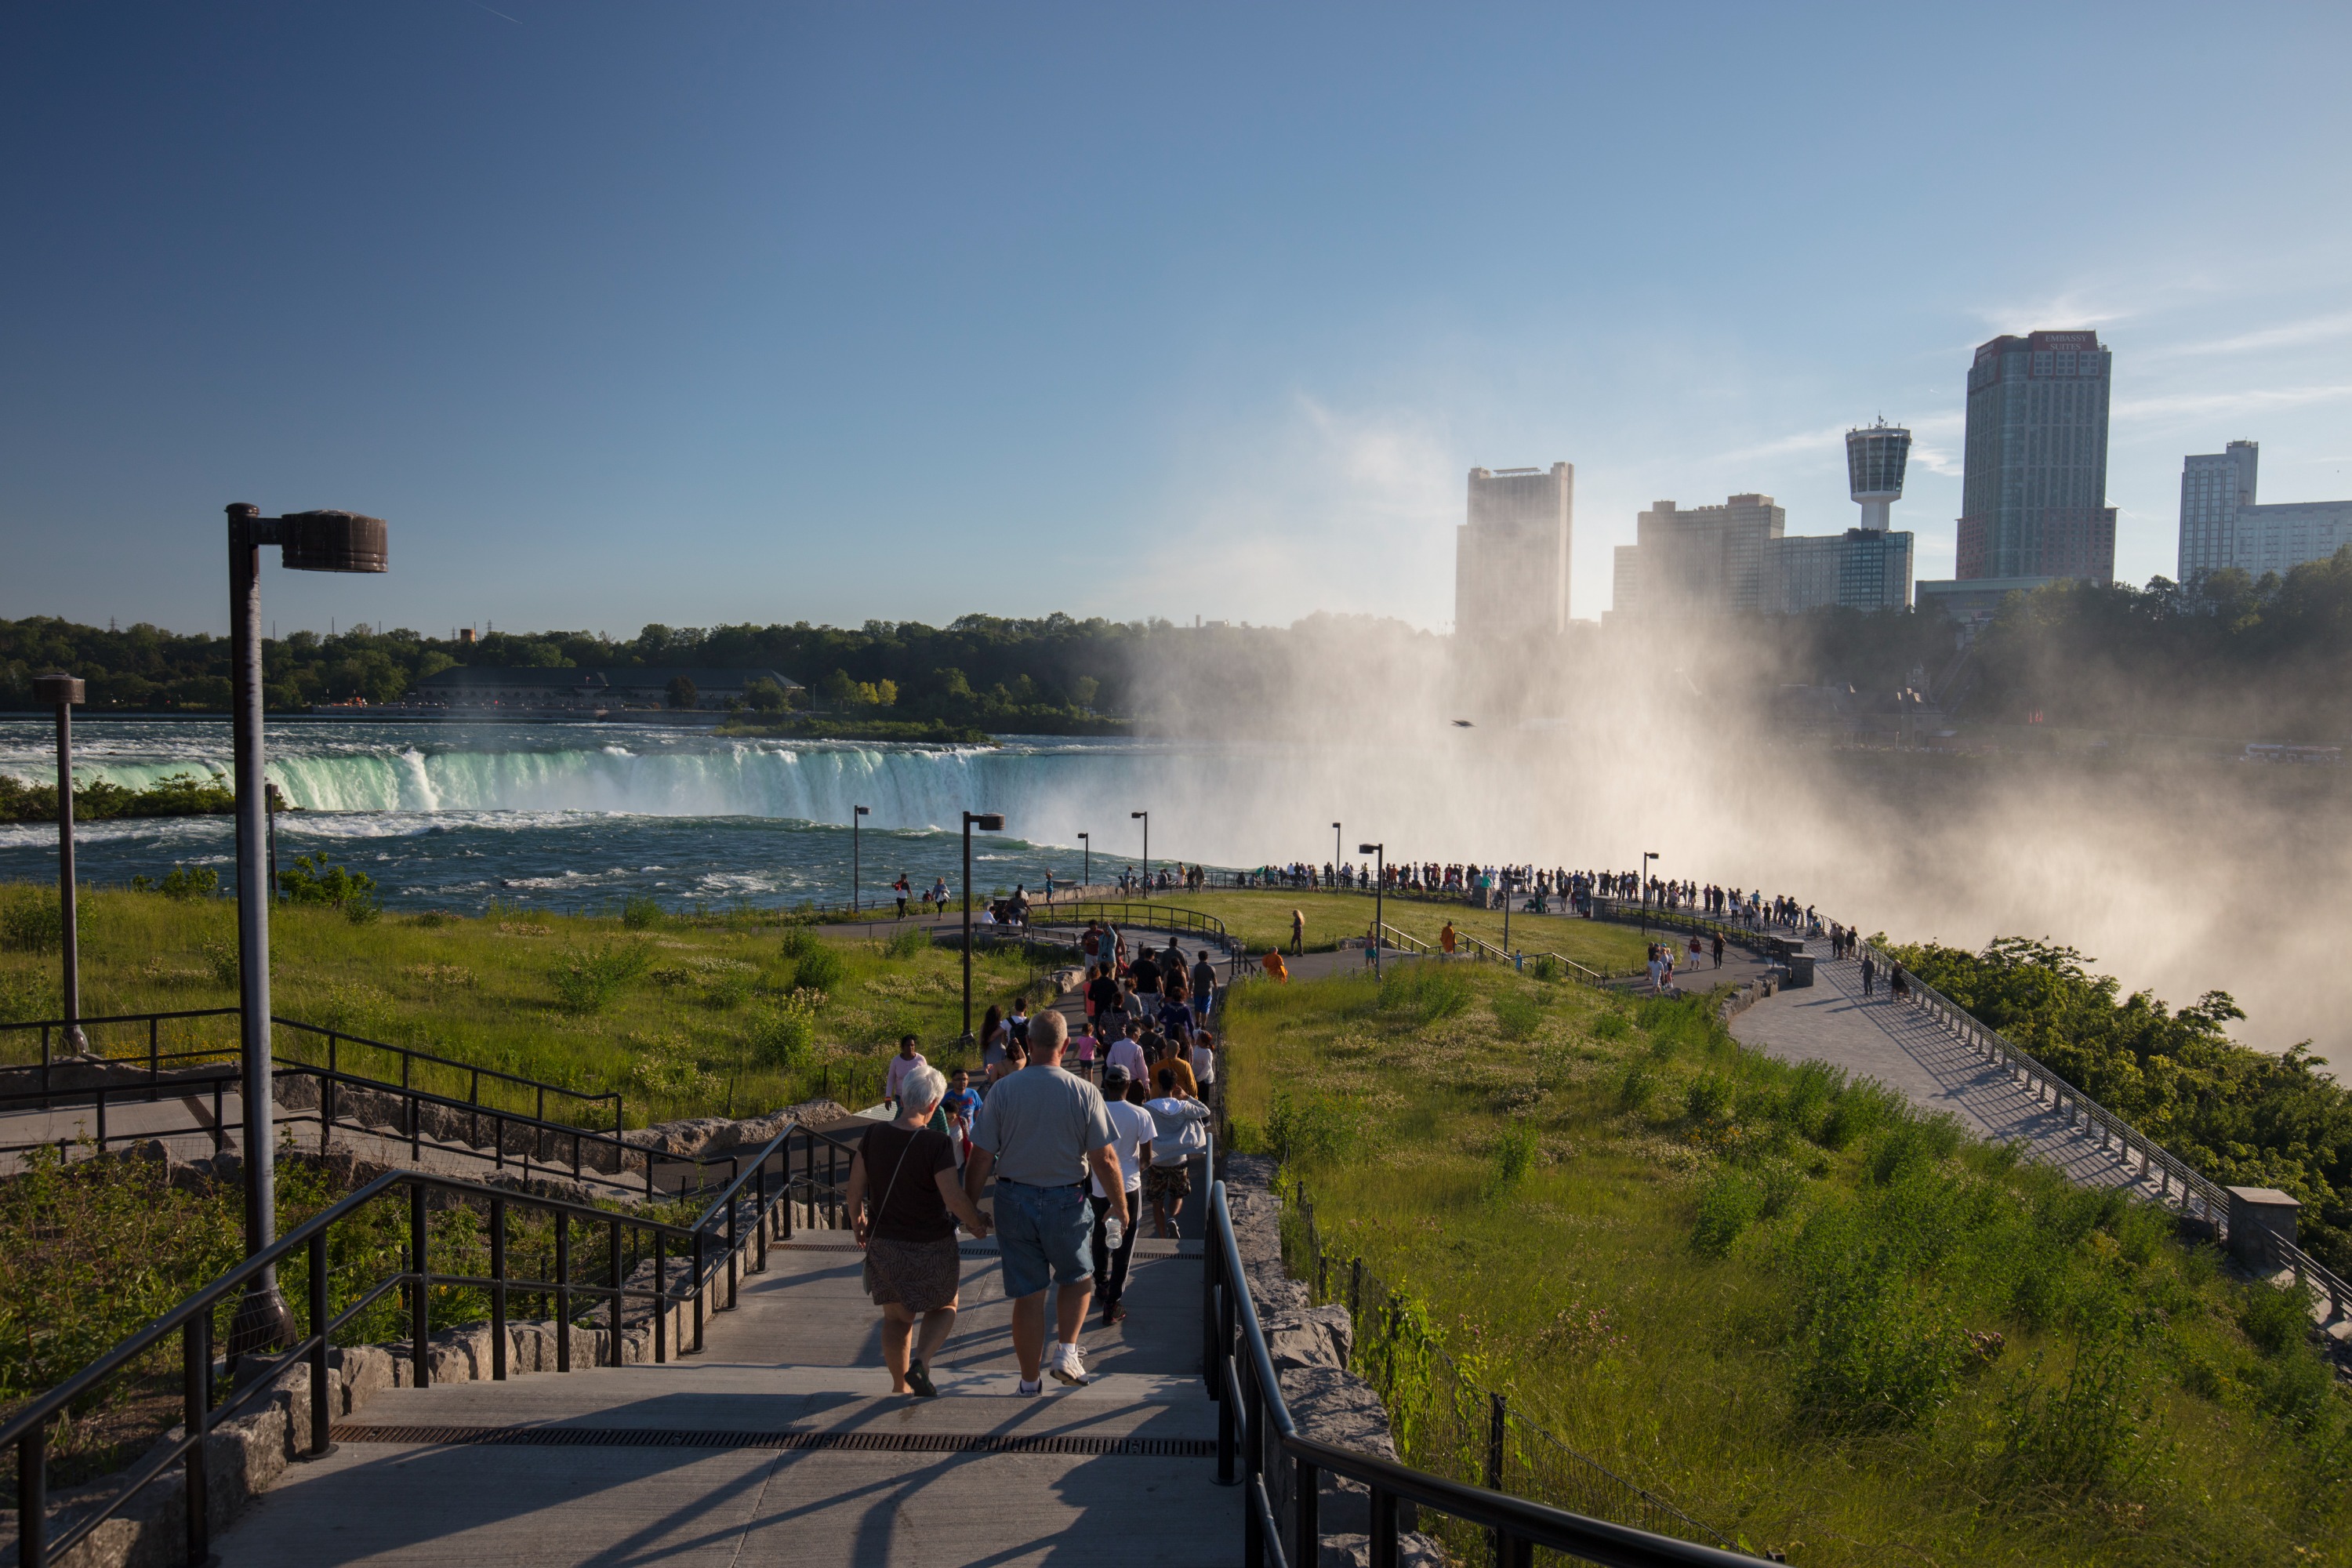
column 1132, row 1130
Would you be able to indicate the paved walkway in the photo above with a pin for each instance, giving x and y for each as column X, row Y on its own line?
column 781, row 1443
column 1908, row 1050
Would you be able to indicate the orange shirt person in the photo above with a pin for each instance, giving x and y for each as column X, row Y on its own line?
column 1446, row 939
column 1274, row 968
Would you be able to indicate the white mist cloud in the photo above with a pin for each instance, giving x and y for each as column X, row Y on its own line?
column 2292, row 334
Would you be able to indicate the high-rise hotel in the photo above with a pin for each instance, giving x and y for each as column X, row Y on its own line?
column 1510, row 559
column 2034, row 486
column 2221, row 526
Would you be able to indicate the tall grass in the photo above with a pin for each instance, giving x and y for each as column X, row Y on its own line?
column 1792, row 1304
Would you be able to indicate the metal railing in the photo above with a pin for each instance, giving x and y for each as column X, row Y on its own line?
column 2179, row 1185
column 1454, row 1424
column 1139, row 916
column 1404, row 940
column 712, row 1245
column 1258, row 1438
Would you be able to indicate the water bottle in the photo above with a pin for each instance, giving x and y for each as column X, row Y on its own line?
column 1113, row 1231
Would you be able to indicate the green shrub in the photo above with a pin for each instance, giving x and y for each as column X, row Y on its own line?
column 1424, row 992
column 1729, row 1203
column 907, row 944
column 798, row 941
column 312, row 880
column 1708, row 1099
column 587, row 978
column 1245, row 1136
column 1307, row 1129
column 1609, row 1025
column 1517, row 1016
column 1915, row 1143
column 1857, row 1110
column 222, row 958
column 2276, row 1321
column 31, row 921
column 640, row 912
column 431, row 919
column 1514, row 1157
column 784, row 1035
column 2095, row 1429
column 820, row 969
column 181, row 882
column 1546, row 968
column 1636, row 1085
column 25, row 998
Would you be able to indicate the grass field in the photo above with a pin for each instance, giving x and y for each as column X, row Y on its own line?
column 1796, row 1309
column 684, row 1019
column 1262, row 919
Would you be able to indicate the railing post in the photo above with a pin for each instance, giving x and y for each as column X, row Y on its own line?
column 1212, row 1350
column 498, row 1290
column 195, row 1415
column 321, row 1417
column 734, row 1202
column 1384, row 1528
column 1497, row 1415
column 420, row 1305
column 618, row 1314
column 33, row 1498
column 1252, row 1460
column 759, row 1217
column 562, row 1291
column 701, row 1289
column 661, row 1301
column 1307, row 1537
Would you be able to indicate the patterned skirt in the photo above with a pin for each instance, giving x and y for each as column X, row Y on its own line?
column 921, row 1275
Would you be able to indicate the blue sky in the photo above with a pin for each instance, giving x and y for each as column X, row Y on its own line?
column 624, row 313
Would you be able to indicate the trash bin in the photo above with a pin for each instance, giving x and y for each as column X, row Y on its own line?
column 1800, row 968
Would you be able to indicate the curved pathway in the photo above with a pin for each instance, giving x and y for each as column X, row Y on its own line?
column 1909, row 1051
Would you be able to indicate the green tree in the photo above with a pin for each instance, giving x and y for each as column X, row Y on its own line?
column 682, row 693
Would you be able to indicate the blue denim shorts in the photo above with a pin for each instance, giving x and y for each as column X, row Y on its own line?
column 1046, row 1235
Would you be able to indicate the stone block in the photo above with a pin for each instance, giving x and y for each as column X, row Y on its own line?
column 451, row 1364
column 1308, row 1336
column 363, row 1370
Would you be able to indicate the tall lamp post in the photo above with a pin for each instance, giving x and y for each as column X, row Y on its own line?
column 1147, row 849
column 62, row 691
column 1505, row 872
column 1336, row 858
column 1647, row 856
column 1087, row 865
column 987, row 822
column 856, row 812
column 307, row 541
column 1379, row 852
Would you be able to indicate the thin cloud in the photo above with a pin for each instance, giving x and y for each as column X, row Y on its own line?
column 1830, row 443
column 2292, row 334
column 2229, row 402
column 2066, row 312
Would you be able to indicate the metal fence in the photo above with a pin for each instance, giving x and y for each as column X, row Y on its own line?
column 1443, row 1420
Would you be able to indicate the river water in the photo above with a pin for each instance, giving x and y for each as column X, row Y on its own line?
column 580, row 817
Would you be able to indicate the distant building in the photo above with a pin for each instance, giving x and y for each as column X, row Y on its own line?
column 1875, row 461
column 2033, row 490
column 1510, row 558
column 478, row 686
column 2221, row 526
column 1738, row 557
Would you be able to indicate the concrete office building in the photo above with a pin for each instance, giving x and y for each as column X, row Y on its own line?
column 2033, row 492
column 1740, row 557
column 1510, row 559
column 2221, row 526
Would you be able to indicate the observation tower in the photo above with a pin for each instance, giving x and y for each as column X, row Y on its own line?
column 1873, row 468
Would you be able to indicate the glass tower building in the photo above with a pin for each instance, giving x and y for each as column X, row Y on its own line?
column 2033, row 492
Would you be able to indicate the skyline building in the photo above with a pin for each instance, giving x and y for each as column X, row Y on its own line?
column 1740, row 557
column 2033, row 488
column 1875, row 461
column 1511, row 555
column 2221, row 526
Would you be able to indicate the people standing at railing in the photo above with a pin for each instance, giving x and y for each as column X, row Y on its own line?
column 1133, row 1129
column 913, row 1271
column 1040, row 1134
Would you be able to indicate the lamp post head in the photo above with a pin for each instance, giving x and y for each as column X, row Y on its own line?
column 986, row 821
column 1368, row 848
column 326, row 541
column 57, row 689
column 863, row 810
column 1133, row 814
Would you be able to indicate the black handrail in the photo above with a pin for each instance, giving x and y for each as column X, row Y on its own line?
column 27, row 1429
column 1249, row 1402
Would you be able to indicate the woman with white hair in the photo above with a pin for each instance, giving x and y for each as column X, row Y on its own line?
column 906, row 1168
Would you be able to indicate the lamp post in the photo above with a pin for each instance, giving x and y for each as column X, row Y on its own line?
column 1379, row 852
column 1336, row 858
column 1147, row 849
column 1087, row 864
column 987, row 822
column 1647, row 856
column 855, row 813
column 307, row 541
column 62, row 691
column 1504, row 873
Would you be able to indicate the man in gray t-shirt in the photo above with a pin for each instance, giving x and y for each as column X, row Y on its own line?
column 1040, row 1132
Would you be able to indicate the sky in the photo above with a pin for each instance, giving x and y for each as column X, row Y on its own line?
column 695, row 314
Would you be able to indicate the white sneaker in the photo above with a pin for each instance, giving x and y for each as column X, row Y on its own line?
column 1069, row 1363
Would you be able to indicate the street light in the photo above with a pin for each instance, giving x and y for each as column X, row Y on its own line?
column 855, row 813
column 306, row 542
column 987, row 822
column 1336, row 858
column 1086, row 862
column 1146, row 848
column 1379, row 852
column 62, row 691
column 1647, row 856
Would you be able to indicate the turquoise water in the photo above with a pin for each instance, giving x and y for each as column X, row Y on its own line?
column 580, row 816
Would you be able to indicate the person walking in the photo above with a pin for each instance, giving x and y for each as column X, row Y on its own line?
column 894, row 1077
column 904, row 1203
column 1134, row 1128
column 1274, row 968
column 1298, row 932
column 902, row 889
column 1204, row 1060
column 1204, row 986
column 1446, row 939
column 1718, row 950
column 1182, row 1131
column 1126, row 1052
column 1869, row 973
column 1039, row 1134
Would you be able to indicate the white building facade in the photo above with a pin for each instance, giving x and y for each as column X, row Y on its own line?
column 2221, row 525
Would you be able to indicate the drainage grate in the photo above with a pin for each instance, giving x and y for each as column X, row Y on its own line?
column 847, row 1442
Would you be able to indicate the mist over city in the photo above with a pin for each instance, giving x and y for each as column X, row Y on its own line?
column 1653, row 700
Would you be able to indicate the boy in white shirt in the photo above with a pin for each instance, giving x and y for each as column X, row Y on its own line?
column 1133, row 1128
